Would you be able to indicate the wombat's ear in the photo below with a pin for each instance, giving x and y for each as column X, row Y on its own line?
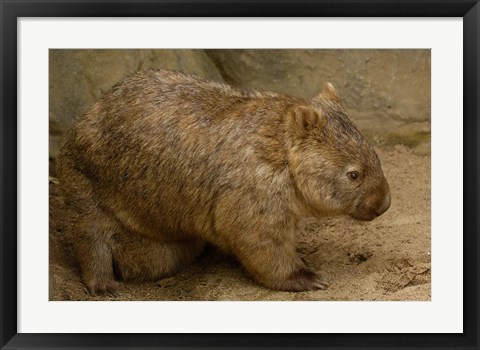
column 328, row 92
column 303, row 119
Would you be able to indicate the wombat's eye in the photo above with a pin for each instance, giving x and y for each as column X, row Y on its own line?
column 353, row 175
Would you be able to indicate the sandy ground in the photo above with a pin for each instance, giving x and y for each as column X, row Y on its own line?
column 385, row 259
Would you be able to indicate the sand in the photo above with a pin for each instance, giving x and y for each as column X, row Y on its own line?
column 385, row 259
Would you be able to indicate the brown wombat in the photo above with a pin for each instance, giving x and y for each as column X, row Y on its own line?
column 165, row 162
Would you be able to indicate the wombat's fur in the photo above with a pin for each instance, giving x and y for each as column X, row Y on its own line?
column 165, row 162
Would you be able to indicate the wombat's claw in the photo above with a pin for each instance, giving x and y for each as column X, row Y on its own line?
column 109, row 288
column 318, row 281
column 321, row 284
column 305, row 279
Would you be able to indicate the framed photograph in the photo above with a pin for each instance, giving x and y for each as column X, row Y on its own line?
column 239, row 174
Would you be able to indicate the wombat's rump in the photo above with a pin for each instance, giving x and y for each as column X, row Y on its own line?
column 165, row 162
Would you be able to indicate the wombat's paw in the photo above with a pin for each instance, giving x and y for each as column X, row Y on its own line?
column 304, row 279
column 109, row 288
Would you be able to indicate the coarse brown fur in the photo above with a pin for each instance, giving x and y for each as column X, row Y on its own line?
column 165, row 162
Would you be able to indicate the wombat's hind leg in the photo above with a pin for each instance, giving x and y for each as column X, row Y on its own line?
column 140, row 258
column 92, row 229
column 91, row 236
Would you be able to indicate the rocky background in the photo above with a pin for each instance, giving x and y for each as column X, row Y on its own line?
column 386, row 91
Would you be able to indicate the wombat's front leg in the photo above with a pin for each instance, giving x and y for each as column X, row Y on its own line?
column 274, row 262
column 92, row 240
column 261, row 234
column 281, row 271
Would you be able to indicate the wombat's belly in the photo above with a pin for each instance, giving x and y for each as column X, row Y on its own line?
column 163, row 212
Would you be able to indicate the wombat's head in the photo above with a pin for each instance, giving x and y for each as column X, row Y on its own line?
column 335, row 169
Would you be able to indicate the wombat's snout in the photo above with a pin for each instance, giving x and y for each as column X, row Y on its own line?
column 374, row 205
column 384, row 205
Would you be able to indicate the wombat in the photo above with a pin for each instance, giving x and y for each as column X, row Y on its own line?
column 165, row 162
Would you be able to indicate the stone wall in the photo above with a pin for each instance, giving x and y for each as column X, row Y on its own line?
column 386, row 91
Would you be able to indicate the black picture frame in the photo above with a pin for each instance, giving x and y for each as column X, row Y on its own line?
column 12, row 10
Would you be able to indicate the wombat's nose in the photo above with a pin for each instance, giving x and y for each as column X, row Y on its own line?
column 385, row 205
